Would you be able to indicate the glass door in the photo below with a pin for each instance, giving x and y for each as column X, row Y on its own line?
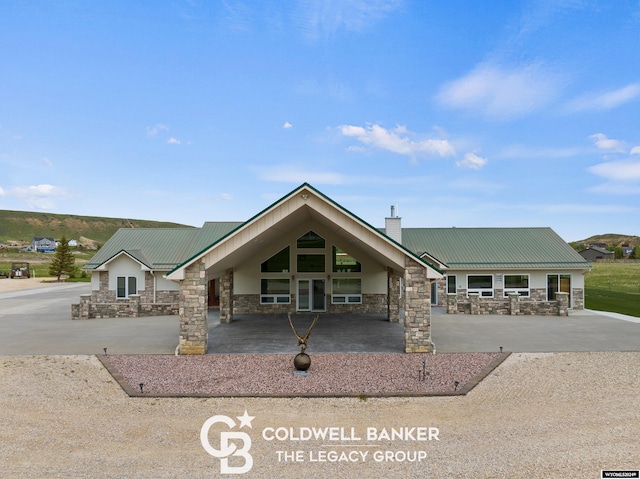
column 558, row 283
column 311, row 295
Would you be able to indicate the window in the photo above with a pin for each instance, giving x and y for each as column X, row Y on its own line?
column 310, row 263
column 451, row 284
column 311, row 240
column 274, row 290
column 516, row 283
column 126, row 286
column 481, row 284
column 278, row 263
column 346, row 291
column 343, row 262
column 558, row 283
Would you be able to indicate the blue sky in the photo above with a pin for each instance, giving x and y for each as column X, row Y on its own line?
column 460, row 113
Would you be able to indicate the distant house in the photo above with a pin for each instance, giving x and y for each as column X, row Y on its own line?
column 43, row 244
column 307, row 253
column 595, row 253
column 73, row 243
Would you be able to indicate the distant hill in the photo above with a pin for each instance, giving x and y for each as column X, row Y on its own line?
column 612, row 239
column 20, row 226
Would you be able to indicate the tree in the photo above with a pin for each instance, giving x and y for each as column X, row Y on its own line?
column 634, row 253
column 618, row 252
column 63, row 261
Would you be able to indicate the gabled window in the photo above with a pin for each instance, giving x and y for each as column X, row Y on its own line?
column 278, row 263
column 310, row 263
column 310, row 240
column 343, row 262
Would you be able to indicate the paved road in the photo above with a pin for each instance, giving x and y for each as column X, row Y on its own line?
column 39, row 321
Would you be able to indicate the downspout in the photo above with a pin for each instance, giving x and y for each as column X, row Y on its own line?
column 155, row 285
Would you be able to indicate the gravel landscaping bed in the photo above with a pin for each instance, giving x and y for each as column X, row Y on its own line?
column 273, row 375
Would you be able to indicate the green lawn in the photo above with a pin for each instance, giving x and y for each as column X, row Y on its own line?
column 614, row 287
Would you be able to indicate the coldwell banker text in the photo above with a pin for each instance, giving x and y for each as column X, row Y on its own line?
column 352, row 439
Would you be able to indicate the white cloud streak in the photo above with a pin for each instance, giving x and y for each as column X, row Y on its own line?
column 502, row 93
column 36, row 196
column 607, row 144
column 622, row 170
column 322, row 19
column 606, row 100
column 472, row 161
column 397, row 141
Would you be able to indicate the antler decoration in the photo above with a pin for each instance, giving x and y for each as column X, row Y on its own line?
column 302, row 340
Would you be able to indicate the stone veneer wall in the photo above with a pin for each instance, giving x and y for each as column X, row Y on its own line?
column 417, row 306
column 393, row 306
column 514, row 305
column 132, row 307
column 193, row 310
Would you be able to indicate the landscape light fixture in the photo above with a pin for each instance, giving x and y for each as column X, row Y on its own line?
column 105, row 351
column 500, row 348
column 141, row 386
column 455, row 385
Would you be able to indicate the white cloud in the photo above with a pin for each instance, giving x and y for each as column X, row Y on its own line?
column 38, row 196
column 472, row 161
column 173, row 141
column 604, row 143
column 635, row 150
column 287, row 125
column 501, row 93
column 397, row 141
column 226, row 197
column 525, row 152
column 154, row 130
column 47, row 161
column 2, row 193
column 606, row 100
column 321, row 19
column 622, row 170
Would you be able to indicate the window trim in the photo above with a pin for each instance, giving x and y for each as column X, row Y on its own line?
column 482, row 292
column 345, row 298
column 455, row 284
column 276, row 298
column 126, row 286
column 524, row 292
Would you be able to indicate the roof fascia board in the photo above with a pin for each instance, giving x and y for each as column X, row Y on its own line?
column 103, row 266
column 177, row 272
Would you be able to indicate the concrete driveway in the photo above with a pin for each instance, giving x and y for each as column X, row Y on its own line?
column 38, row 322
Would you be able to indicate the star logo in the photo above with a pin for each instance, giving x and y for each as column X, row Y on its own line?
column 245, row 420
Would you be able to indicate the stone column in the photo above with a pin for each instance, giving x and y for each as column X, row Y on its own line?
column 452, row 303
column 417, row 304
column 193, row 310
column 514, row 304
column 134, row 305
column 474, row 303
column 84, row 310
column 226, row 296
column 393, row 294
column 563, row 303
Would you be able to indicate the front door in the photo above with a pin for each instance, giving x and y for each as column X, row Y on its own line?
column 558, row 283
column 311, row 295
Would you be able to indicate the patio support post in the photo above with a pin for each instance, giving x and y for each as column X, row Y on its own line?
column 226, row 296
column 417, row 316
column 193, row 310
column 563, row 303
column 393, row 304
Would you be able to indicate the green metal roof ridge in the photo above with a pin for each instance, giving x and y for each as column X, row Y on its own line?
column 282, row 200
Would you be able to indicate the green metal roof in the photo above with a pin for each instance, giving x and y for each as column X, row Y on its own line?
column 157, row 248
column 494, row 248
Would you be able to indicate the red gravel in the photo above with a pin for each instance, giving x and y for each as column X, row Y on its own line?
column 329, row 374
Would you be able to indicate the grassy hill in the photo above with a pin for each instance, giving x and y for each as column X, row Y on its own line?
column 20, row 226
column 612, row 239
